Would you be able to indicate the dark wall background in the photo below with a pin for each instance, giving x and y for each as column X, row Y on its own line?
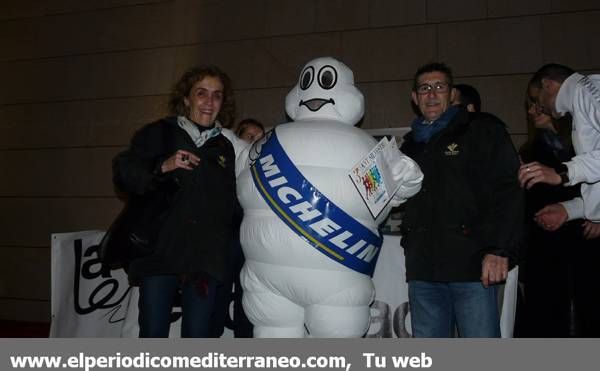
column 78, row 77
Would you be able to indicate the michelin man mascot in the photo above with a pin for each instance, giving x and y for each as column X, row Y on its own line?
column 310, row 242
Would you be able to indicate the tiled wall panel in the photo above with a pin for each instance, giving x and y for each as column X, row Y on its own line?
column 32, row 220
column 337, row 15
column 390, row 53
column 105, row 122
column 60, row 172
column 25, row 273
column 508, row 8
column 17, row 309
column 456, row 10
column 572, row 39
column 16, row 9
column 383, row 13
column 503, row 46
column 88, row 32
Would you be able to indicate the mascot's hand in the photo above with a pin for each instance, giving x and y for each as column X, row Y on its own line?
column 410, row 176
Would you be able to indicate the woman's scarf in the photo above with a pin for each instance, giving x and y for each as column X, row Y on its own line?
column 199, row 135
column 554, row 142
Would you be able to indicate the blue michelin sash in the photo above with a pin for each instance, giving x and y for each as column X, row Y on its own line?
column 310, row 214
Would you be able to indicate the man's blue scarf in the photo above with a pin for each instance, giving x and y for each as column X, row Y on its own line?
column 423, row 131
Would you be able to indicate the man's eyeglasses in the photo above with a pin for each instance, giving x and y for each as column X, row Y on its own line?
column 437, row 87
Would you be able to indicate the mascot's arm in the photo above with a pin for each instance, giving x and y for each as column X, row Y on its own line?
column 241, row 149
column 410, row 176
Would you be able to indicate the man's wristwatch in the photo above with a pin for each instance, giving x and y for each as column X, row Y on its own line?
column 563, row 172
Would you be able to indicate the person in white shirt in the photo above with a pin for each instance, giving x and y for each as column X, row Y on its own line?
column 559, row 91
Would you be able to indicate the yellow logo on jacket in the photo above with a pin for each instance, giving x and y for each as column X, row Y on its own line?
column 452, row 150
column 222, row 161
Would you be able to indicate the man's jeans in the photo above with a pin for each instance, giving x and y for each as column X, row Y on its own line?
column 437, row 307
column 157, row 296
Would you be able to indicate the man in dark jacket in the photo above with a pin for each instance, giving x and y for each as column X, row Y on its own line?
column 461, row 232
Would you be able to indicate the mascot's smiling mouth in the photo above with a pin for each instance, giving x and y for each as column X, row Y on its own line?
column 316, row 103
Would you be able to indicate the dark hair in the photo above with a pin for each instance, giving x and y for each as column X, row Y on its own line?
column 469, row 95
column 245, row 124
column 184, row 86
column 563, row 127
column 551, row 71
column 433, row 67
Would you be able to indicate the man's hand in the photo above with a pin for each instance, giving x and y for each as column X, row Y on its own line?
column 551, row 217
column 494, row 269
column 591, row 230
column 534, row 172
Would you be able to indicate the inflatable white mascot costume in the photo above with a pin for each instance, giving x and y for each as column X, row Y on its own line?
column 309, row 240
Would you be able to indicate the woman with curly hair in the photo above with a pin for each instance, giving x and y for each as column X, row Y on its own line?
column 181, row 171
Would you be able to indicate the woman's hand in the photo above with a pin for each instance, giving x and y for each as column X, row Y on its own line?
column 180, row 159
column 534, row 172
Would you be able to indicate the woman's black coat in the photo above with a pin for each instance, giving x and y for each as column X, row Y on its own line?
column 195, row 220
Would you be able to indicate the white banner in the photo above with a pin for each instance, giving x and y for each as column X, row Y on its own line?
column 86, row 301
column 89, row 302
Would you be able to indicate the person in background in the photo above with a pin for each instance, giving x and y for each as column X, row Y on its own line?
column 462, row 231
column 467, row 96
column 558, row 269
column 560, row 90
column 186, row 161
column 250, row 130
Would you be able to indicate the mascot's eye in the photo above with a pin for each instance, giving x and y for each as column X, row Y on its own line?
column 327, row 77
column 306, row 78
